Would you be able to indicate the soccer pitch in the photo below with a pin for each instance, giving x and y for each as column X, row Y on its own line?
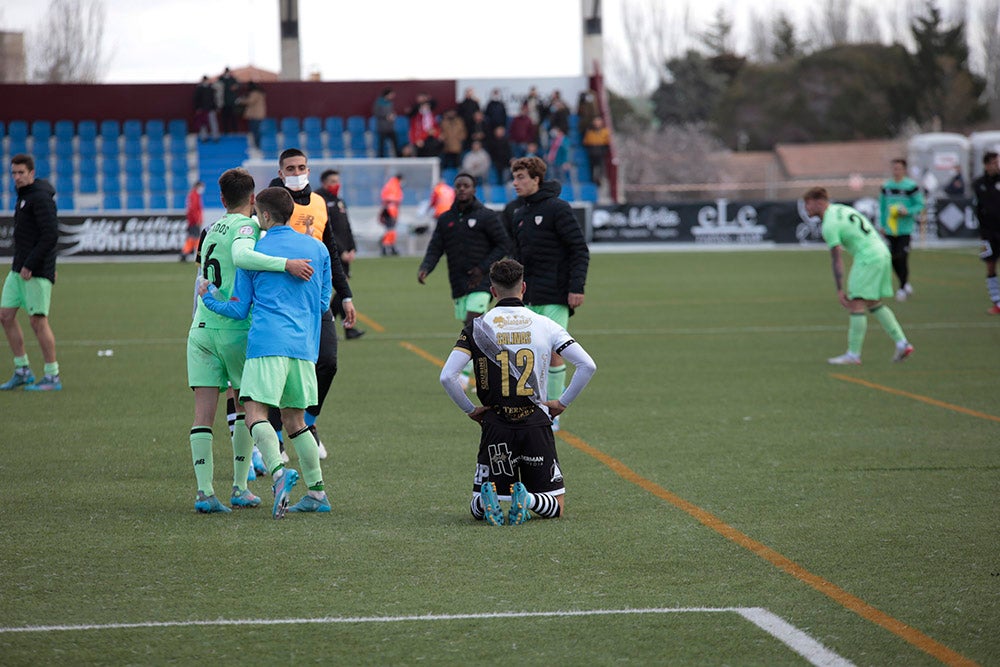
column 731, row 498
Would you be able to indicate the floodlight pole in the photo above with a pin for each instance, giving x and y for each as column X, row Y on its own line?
column 291, row 65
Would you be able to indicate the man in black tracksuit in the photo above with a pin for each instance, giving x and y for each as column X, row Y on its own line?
column 986, row 190
column 340, row 226
column 549, row 243
column 472, row 237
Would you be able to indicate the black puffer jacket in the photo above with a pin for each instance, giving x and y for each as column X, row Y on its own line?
column 549, row 242
column 36, row 230
column 473, row 238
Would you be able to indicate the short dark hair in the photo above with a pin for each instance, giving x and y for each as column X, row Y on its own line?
column 278, row 202
column 290, row 152
column 236, row 185
column 464, row 174
column 535, row 166
column 989, row 155
column 506, row 273
column 25, row 159
column 816, row 193
column 328, row 172
column 899, row 160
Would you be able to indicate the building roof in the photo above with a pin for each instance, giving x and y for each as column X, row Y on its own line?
column 869, row 159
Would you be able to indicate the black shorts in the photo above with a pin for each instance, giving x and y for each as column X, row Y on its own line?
column 508, row 454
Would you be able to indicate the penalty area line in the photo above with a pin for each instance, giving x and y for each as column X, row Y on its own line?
column 789, row 635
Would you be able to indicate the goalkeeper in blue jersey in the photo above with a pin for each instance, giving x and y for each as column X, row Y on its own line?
column 282, row 348
column 870, row 278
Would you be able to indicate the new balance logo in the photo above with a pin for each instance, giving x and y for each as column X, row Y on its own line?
column 200, row 462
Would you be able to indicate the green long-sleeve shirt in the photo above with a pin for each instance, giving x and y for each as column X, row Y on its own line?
column 905, row 193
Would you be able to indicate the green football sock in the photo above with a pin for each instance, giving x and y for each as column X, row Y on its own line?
column 887, row 319
column 242, row 453
column 21, row 362
column 52, row 369
column 201, row 456
column 557, row 382
column 266, row 440
column 308, row 453
column 856, row 333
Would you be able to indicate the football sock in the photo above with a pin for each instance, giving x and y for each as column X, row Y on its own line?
column 242, row 452
column 267, row 442
column 308, row 452
column 52, row 369
column 557, row 382
column 544, row 505
column 201, row 456
column 21, row 362
column 887, row 319
column 231, row 413
column 309, row 419
column 992, row 286
column 856, row 330
column 476, row 507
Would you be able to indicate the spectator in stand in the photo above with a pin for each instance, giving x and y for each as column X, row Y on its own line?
column 343, row 236
column 230, row 91
column 531, row 150
column 195, row 217
column 559, row 115
column 479, row 130
column 500, row 153
column 385, row 121
column 425, row 133
column 467, row 109
column 586, row 109
column 206, row 120
column 477, row 162
column 496, row 110
column 534, row 105
column 557, row 157
column 254, row 110
column 522, row 131
column 453, row 135
column 392, row 198
column 596, row 141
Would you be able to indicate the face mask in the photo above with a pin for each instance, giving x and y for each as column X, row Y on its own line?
column 296, row 182
column 333, row 189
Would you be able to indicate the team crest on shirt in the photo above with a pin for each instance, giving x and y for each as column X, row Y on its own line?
column 472, row 223
column 538, row 219
column 246, row 230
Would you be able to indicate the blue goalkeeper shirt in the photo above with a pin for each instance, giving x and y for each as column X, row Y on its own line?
column 287, row 311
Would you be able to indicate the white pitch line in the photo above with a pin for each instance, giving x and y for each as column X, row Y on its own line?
column 795, row 639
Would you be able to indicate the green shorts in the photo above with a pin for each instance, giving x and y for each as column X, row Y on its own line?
column 280, row 382
column 555, row 312
column 473, row 302
column 215, row 357
column 34, row 295
column 870, row 279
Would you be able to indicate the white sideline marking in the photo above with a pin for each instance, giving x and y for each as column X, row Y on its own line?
column 774, row 625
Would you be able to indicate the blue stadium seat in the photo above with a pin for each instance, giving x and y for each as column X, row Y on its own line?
column 290, row 128
column 156, row 166
column 87, row 148
column 109, row 147
column 87, row 129
column 64, row 148
column 178, row 147
column 2, row 129
column 41, row 129
column 157, row 200
column 268, row 127
column 154, row 146
column 135, row 200
column 41, row 147
column 64, row 130
column 497, row 195
column 314, row 146
column 133, row 147
column 334, row 125
column 448, row 175
column 269, row 146
column 110, row 166
column 88, row 184
column 65, row 168
column 110, row 129
column 158, row 184
column 356, row 124
column 155, row 128
column 64, row 199
column 335, row 144
column 402, row 127
column 112, row 200
column 178, row 200
column 312, row 125
column 18, row 129
column 43, row 168
column 178, row 129
column 588, row 192
column 111, row 185
column 574, row 122
column 132, row 129
column 17, row 145
column 133, row 181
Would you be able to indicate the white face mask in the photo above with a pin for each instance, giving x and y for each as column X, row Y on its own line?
column 296, row 182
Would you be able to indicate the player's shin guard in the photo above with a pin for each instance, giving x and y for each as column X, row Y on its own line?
column 884, row 315
column 544, row 505
column 856, row 330
column 242, row 452
column 556, row 383
column 993, row 289
column 231, row 413
column 201, row 456
column 266, row 439
column 308, row 453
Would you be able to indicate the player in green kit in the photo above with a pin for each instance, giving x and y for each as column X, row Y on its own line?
column 216, row 347
column 870, row 279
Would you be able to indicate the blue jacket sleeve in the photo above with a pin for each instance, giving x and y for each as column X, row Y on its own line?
column 238, row 306
column 327, row 292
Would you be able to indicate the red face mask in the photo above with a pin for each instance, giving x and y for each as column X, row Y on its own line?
column 333, row 189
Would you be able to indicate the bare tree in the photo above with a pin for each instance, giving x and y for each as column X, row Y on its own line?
column 866, row 26
column 671, row 154
column 68, row 45
column 829, row 23
column 900, row 16
column 762, row 38
column 988, row 48
column 653, row 34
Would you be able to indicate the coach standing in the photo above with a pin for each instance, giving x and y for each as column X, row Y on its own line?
column 986, row 190
column 33, row 272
